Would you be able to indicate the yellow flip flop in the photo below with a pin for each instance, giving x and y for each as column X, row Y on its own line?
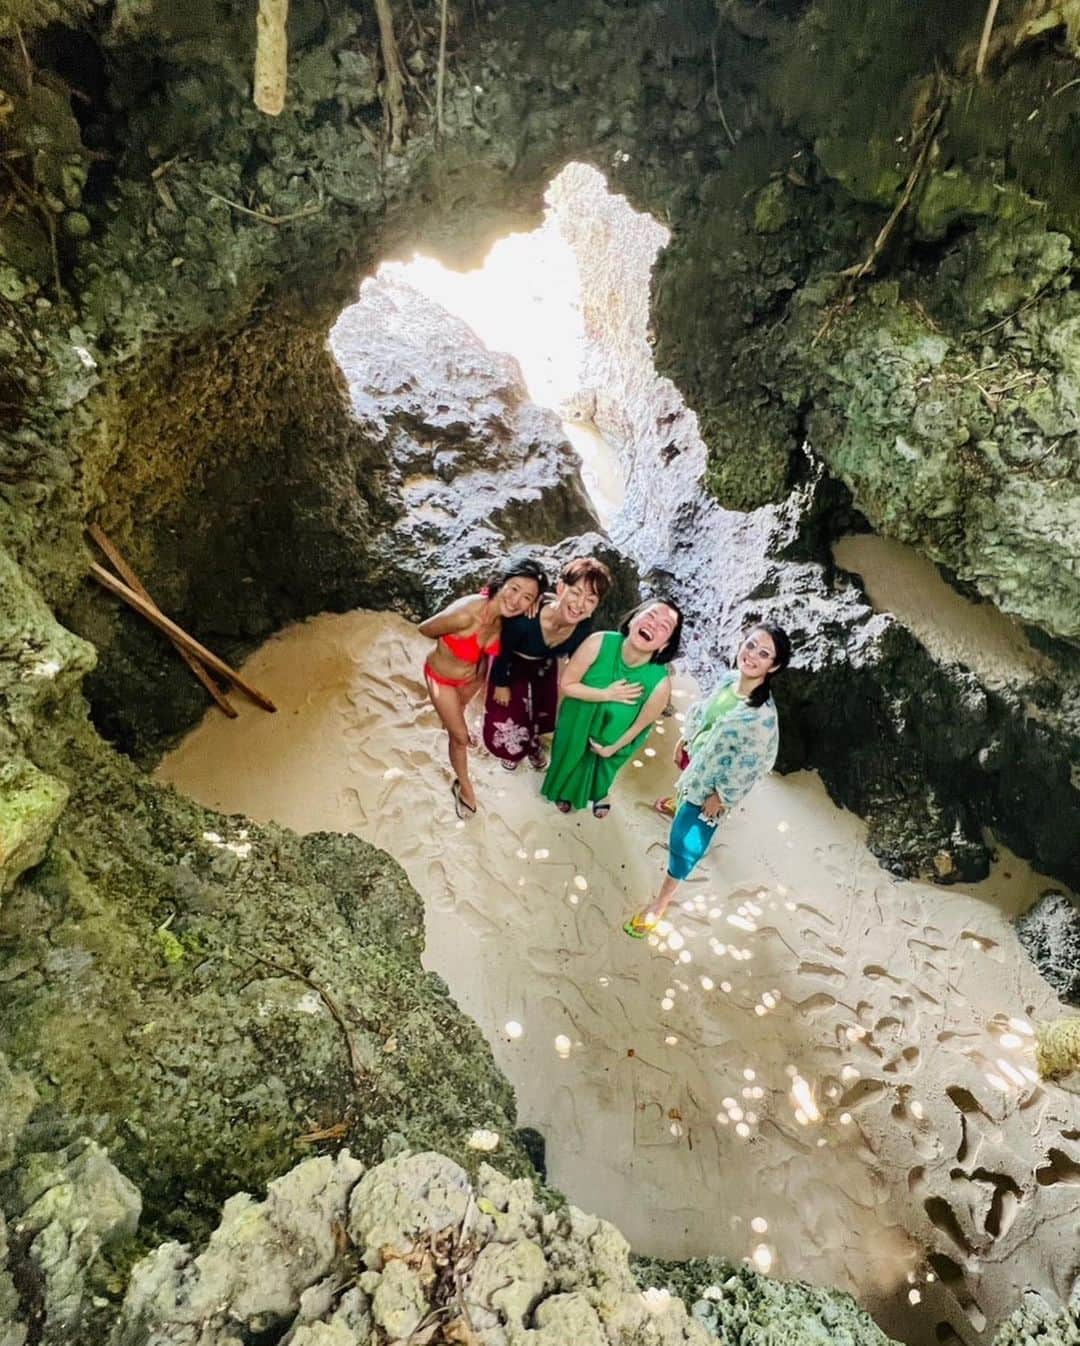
column 638, row 929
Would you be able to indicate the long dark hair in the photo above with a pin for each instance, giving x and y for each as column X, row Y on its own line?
column 671, row 649
column 524, row 570
column 782, row 645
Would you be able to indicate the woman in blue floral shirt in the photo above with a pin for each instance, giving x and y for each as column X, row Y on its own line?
column 729, row 742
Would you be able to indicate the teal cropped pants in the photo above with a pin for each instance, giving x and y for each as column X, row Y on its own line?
column 691, row 836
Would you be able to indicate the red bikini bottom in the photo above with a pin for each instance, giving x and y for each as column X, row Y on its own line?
column 442, row 681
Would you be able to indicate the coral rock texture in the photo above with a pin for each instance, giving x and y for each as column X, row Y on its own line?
column 413, row 1250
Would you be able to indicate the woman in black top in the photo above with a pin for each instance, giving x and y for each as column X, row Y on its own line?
column 523, row 689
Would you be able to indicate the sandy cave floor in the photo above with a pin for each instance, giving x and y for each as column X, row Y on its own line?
column 817, row 1067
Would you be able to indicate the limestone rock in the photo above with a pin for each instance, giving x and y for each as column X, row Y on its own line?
column 40, row 661
column 406, row 1198
column 12, row 1331
column 479, row 468
column 73, row 1203
column 31, row 803
column 399, row 1303
column 1050, row 932
column 258, row 1263
column 1038, row 1321
column 485, row 1255
column 739, row 1305
column 17, row 1099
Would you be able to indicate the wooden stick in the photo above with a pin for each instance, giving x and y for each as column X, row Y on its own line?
column 440, row 74
column 394, row 100
column 177, row 633
column 271, row 56
column 984, row 40
column 132, row 580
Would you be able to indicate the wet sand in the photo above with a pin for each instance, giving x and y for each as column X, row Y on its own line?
column 817, row 1067
column 900, row 580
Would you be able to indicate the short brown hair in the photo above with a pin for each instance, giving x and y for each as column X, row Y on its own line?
column 589, row 571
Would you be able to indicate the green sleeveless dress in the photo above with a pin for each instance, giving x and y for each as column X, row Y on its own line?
column 576, row 773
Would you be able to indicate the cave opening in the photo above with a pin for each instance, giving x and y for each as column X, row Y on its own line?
column 527, row 300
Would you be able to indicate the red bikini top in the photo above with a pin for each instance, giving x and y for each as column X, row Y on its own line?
column 467, row 648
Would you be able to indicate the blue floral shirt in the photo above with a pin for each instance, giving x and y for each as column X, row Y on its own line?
column 739, row 749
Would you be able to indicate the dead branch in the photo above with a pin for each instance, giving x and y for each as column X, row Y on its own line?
column 440, row 74
column 271, row 56
column 312, row 209
column 178, row 634
column 133, row 582
column 913, row 177
column 355, row 1066
column 716, row 93
column 26, row 61
column 394, row 100
column 336, row 1131
column 984, row 41
column 854, row 274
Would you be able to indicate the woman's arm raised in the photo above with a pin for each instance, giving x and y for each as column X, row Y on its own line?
column 652, row 710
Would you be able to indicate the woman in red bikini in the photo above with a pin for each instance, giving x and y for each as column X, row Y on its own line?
column 467, row 635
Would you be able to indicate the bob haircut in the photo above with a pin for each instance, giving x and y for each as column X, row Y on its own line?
column 671, row 649
column 517, row 570
column 589, row 571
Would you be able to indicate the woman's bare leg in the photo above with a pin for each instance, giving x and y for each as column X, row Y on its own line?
column 450, row 708
column 660, row 903
column 465, row 696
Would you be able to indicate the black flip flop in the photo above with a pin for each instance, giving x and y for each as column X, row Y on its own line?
column 602, row 809
column 463, row 810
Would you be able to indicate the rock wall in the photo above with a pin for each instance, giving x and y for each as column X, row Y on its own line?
column 926, row 747
column 170, row 262
column 412, row 1251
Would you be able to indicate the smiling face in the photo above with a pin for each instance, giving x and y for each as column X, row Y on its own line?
column 652, row 628
column 517, row 596
column 576, row 601
column 757, row 654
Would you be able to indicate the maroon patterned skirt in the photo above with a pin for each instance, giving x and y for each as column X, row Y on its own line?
column 513, row 731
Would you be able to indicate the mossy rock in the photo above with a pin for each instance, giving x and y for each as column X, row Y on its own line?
column 31, row 803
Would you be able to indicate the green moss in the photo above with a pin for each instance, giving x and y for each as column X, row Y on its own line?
column 199, row 1066
column 738, row 1305
column 30, row 806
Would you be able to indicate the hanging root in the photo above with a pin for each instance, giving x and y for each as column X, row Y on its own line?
column 394, row 98
column 1057, row 1048
column 271, row 56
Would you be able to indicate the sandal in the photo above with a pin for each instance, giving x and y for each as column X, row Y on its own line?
column 507, row 766
column 462, row 808
column 602, row 809
column 563, row 805
column 538, row 760
column 636, row 928
column 665, row 806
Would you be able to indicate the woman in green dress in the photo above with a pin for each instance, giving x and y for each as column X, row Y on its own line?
column 614, row 687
